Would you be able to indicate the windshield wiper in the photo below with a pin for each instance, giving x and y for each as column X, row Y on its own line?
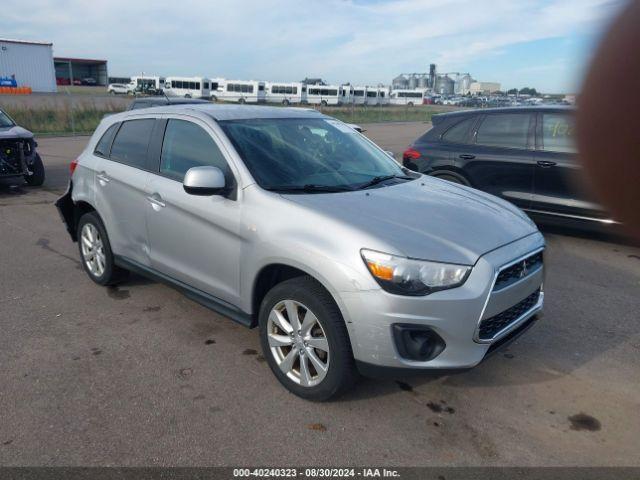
column 382, row 178
column 310, row 187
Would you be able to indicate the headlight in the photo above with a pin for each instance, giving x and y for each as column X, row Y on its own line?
column 406, row 276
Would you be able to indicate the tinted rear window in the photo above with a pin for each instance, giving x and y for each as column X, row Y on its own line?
column 557, row 132
column 504, row 130
column 132, row 140
column 102, row 148
column 458, row 133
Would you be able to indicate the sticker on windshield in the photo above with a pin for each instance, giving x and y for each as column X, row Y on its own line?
column 343, row 127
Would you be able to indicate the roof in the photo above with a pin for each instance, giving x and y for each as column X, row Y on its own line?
column 163, row 101
column 77, row 60
column 26, row 42
column 241, row 112
column 522, row 109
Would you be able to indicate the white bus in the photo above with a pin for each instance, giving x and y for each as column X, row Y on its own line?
column 188, row 87
column 241, row 91
column 285, row 93
column 407, row 97
column 371, row 97
column 143, row 84
column 359, row 96
column 325, row 94
column 346, row 97
column 383, row 96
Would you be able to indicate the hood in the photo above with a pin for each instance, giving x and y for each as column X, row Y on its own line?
column 14, row 132
column 427, row 218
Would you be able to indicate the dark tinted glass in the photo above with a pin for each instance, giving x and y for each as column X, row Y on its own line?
column 458, row 133
column 504, row 130
column 102, row 148
column 557, row 132
column 187, row 145
column 132, row 140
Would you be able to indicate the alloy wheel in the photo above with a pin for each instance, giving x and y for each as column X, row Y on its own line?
column 298, row 343
column 92, row 249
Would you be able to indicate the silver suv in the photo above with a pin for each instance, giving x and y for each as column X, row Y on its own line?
column 289, row 220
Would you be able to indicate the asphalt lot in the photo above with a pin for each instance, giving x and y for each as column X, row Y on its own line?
column 140, row 375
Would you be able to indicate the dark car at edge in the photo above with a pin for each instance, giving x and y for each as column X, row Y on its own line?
column 525, row 155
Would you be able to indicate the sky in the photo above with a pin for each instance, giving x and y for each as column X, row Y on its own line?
column 545, row 44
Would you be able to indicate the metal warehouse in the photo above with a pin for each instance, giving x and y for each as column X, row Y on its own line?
column 84, row 71
column 28, row 64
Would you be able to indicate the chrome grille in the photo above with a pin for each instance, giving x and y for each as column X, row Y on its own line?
column 490, row 327
column 518, row 270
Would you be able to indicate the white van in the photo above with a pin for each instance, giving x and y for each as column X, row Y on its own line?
column 241, row 91
column 188, row 87
column 285, row 93
column 324, row 94
column 143, row 84
column 371, row 97
column 407, row 97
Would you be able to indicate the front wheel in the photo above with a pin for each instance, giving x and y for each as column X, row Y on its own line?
column 285, row 102
column 95, row 251
column 242, row 101
column 37, row 173
column 305, row 340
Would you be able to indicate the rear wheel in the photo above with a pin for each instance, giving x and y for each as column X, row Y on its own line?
column 410, row 104
column 95, row 251
column 187, row 96
column 305, row 340
column 285, row 102
column 37, row 173
column 323, row 103
column 242, row 100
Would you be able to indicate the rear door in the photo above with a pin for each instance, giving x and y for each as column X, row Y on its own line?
column 120, row 189
column 194, row 239
column 559, row 186
column 500, row 159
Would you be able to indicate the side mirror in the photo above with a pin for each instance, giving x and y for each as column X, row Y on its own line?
column 204, row 181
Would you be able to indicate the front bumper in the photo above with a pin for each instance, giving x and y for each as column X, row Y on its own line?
column 453, row 314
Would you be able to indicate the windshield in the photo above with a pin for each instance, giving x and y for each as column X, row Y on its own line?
column 5, row 121
column 308, row 154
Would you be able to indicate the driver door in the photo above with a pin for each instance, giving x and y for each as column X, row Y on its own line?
column 194, row 239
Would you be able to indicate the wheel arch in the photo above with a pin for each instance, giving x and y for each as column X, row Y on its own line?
column 452, row 171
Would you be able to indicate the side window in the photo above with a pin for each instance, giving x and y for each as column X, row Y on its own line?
column 132, row 140
column 508, row 130
column 557, row 133
column 458, row 133
column 187, row 145
column 102, row 147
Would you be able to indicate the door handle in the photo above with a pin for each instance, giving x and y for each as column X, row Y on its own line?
column 467, row 156
column 546, row 163
column 156, row 200
column 103, row 177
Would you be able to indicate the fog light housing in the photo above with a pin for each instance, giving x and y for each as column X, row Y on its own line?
column 417, row 342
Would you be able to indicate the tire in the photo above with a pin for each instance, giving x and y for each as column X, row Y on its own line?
column 323, row 103
column 187, row 96
column 110, row 274
column 453, row 179
column 213, row 98
column 304, row 295
column 285, row 102
column 37, row 178
column 410, row 104
column 242, row 101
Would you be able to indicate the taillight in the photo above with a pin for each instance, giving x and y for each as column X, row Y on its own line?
column 72, row 166
column 410, row 154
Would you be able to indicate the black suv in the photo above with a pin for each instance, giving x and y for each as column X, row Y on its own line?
column 525, row 155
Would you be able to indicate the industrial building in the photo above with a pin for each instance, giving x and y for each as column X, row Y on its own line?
column 28, row 64
column 484, row 88
column 81, row 71
column 458, row 83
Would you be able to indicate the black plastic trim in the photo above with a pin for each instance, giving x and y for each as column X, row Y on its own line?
column 204, row 299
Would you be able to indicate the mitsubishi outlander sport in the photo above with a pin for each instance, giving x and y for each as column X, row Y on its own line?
column 291, row 221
